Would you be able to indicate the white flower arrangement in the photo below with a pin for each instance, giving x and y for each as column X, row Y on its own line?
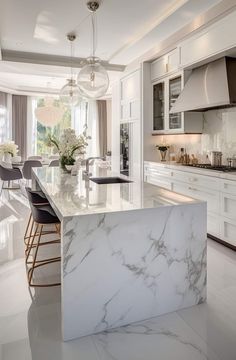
column 69, row 145
column 9, row 148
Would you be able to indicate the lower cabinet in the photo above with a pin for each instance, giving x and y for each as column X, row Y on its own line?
column 228, row 231
column 220, row 195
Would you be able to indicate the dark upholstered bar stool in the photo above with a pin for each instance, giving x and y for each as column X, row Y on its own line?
column 42, row 215
column 36, row 198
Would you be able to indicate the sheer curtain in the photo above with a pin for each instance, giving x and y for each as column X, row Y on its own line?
column 86, row 116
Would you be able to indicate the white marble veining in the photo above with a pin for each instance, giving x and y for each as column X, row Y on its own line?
column 30, row 326
column 136, row 264
column 137, row 249
column 73, row 196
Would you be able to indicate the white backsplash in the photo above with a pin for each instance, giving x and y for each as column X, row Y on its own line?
column 219, row 133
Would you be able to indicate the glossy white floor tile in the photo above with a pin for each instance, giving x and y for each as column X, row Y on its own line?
column 30, row 322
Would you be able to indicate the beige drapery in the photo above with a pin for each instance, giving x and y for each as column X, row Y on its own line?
column 3, row 99
column 102, row 121
column 19, row 123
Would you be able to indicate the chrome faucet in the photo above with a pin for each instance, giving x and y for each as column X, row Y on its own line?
column 86, row 172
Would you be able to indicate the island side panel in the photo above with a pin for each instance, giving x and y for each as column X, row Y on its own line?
column 119, row 268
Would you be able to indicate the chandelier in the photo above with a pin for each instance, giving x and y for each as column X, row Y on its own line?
column 93, row 80
column 70, row 93
column 49, row 114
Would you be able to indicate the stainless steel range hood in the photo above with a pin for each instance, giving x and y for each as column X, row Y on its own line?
column 209, row 86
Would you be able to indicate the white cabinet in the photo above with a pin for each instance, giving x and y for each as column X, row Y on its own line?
column 158, row 176
column 164, row 93
column 211, row 41
column 165, row 65
column 130, row 149
column 130, row 97
column 220, row 195
column 228, row 231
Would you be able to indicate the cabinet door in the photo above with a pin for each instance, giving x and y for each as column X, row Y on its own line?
column 159, row 68
column 130, row 87
column 228, row 231
column 159, row 106
column 175, row 120
column 228, row 206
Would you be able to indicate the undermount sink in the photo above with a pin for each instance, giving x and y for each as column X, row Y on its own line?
column 109, row 180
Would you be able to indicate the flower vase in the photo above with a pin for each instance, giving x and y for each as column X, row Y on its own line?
column 7, row 158
column 64, row 160
column 163, row 155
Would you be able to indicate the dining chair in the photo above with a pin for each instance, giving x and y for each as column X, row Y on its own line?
column 9, row 175
column 54, row 163
column 27, row 168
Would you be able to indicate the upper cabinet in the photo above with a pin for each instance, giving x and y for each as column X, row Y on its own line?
column 210, row 42
column 130, row 97
column 165, row 92
column 165, row 65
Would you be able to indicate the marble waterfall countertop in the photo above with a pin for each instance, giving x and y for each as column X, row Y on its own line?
column 129, row 251
column 72, row 196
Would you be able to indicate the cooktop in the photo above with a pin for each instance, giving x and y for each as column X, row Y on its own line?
column 223, row 168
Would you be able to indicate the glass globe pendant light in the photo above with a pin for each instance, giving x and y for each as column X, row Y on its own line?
column 70, row 93
column 93, row 80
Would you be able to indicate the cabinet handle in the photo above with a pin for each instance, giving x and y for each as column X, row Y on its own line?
column 193, row 179
column 167, row 67
column 191, row 188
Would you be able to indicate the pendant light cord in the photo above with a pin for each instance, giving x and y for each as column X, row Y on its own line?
column 94, row 33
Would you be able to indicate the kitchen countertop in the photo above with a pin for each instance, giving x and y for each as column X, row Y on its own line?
column 200, row 171
column 72, row 196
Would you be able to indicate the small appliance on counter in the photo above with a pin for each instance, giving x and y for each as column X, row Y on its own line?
column 216, row 158
column 232, row 161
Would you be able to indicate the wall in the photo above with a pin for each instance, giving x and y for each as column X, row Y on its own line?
column 219, row 133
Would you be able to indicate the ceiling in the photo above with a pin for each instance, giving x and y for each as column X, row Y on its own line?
column 126, row 30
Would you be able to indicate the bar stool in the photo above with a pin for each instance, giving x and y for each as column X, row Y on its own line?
column 41, row 215
column 36, row 198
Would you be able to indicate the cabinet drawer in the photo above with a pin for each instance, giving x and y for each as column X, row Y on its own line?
column 181, row 187
column 228, row 206
column 228, row 186
column 212, row 197
column 213, row 224
column 228, row 231
column 158, row 170
column 208, row 182
column 159, row 181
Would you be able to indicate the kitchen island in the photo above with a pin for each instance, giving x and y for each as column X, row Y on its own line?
column 130, row 251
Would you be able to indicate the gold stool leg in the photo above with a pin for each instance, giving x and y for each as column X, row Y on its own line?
column 41, row 262
column 31, row 270
column 32, row 238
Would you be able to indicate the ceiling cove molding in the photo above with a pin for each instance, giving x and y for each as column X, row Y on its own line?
column 171, row 9
column 204, row 20
column 53, row 60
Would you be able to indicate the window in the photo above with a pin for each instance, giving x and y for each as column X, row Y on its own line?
column 79, row 118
